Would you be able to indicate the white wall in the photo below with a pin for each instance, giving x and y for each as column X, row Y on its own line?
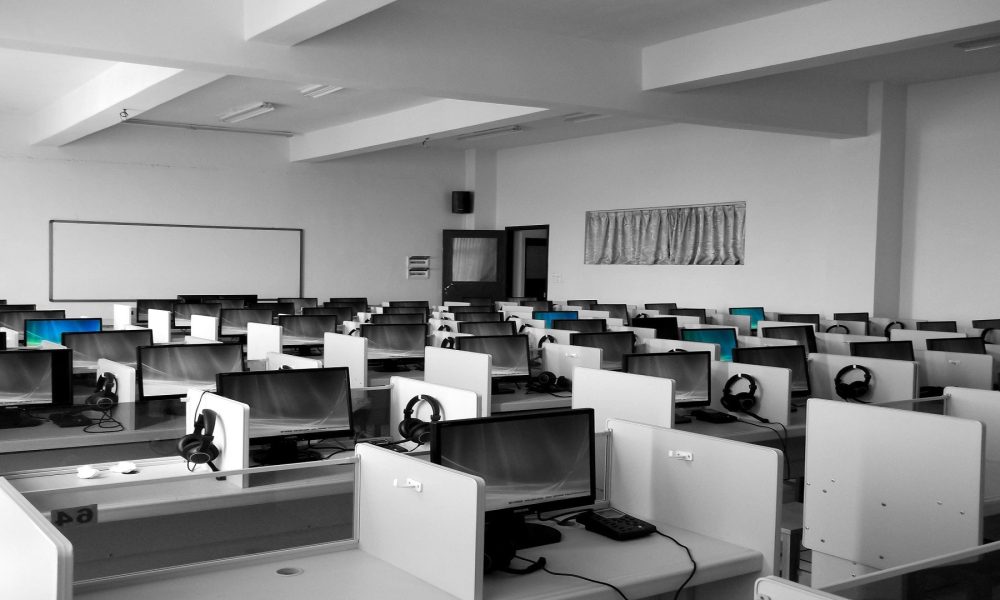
column 951, row 221
column 361, row 216
column 810, row 233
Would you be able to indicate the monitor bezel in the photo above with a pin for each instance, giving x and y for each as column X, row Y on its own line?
column 979, row 342
column 626, row 360
column 61, row 377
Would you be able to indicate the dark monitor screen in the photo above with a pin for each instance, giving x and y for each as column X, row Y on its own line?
column 394, row 319
column 986, row 323
column 169, row 370
column 231, row 302
column 701, row 313
column 37, row 331
column 550, row 315
column 615, row 311
column 533, row 461
column 966, row 345
column 613, row 344
column 359, row 306
column 404, row 341
column 510, row 354
column 297, row 330
column 343, row 313
column 457, row 310
column 724, row 337
column 299, row 403
column 183, row 311
column 803, row 335
column 581, row 325
column 479, row 317
column 116, row 345
column 810, row 318
column 14, row 319
column 895, row 350
column 404, row 310
column 584, row 304
column 142, row 308
column 665, row 327
column 278, row 308
column 10, row 307
column 788, row 357
column 487, row 328
column 946, row 326
column 861, row 317
column 36, row 377
column 410, row 303
column 233, row 321
column 756, row 313
column 541, row 305
column 664, row 308
column 299, row 303
column 691, row 372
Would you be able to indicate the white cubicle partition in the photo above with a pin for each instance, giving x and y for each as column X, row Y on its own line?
column 462, row 370
column 261, row 339
column 938, row 368
column 892, row 380
column 773, row 395
column 562, row 359
column 918, row 338
column 190, row 339
column 277, row 360
column 536, row 334
column 740, row 322
column 124, row 376
column 159, row 322
column 776, row 588
column 205, row 327
column 616, row 395
column 343, row 350
column 869, row 500
column 853, row 327
column 666, row 345
column 437, row 338
column 10, row 336
column 121, row 316
column 979, row 405
column 455, row 403
column 39, row 565
column 713, row 486
column 232, row 430
column 753, row 341
column 443, row 519
column 840, row 343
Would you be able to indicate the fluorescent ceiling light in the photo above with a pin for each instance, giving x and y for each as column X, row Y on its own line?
column 319, row 89
column 980, row 44
column 246, row 112
column 490, row 132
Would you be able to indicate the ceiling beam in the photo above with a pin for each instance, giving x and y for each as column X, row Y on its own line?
column 290, row 22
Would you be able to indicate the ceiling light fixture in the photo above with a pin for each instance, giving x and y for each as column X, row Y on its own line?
column 981, row 44
column 490, row 132
column 319, row 89
column 246, row 112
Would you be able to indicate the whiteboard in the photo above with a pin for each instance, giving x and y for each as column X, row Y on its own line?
column 108, row 262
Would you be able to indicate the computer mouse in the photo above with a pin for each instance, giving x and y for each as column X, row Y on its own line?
column 125, row 467
column 86, row 472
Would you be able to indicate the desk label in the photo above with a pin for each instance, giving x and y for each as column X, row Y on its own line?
column 74, row 517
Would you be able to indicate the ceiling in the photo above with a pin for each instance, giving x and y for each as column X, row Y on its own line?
column 400, row 63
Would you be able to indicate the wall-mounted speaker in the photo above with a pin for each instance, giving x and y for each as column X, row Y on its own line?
column 461, row 203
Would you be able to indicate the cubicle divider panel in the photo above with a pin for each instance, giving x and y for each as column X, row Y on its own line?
column 562, row 359
column 190, row 339
column 159, row 322
column 615, row 395
column 36, row 561
column 122, row 316
column 753, row 341
column 716, row 487
column 740, row 322
column 917, row 337
column 232, row 431
column 592, row 314
column 978, row 405
column 125, row 377
column 956, row 369
column 535, row 335
column 422, row 518
column 886, row 487
column 665, row 345
column 277, row 360
column 462, row 370
column 261, row 339
column 342, row 350
column 776, row 588
column 642, row 334
column 840, row 343
column 774, row 395
column 892, row 380
column 454, row 403
column 10, row 337
column 205, row 327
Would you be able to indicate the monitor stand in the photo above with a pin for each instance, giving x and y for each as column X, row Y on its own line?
column 283, row 452
column 496, row 389
column 13, row 417
column 681, row 416
column 513, row 529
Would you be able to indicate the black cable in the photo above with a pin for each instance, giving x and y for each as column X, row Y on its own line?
column 105, row 423
column 336, row 452
column 551, row 572
column 781, row 440
column 694, row 565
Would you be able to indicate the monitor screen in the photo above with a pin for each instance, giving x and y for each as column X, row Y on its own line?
column 36, row 377
column 14, row 319
column 895, row 350
column 404, row 341
column 788, row 357
column 403, row 310
column 613, row 344
column 457, row 310
column 304, row 330
column 691, row 372
column 394, row 319
column 9, row 307
column 946, row 326
column 540, row 305
column 233, row 321
column 410, row 303
column 584, row 304
column 142, row 308
column 479, row 317
column 37, row 331
column 183, row 311
column 169, row 370
column 355, row 304
column 277, row 308
column 487, row 328
column 665, row 327
column 756, row 313
column 343, row 313
column 965, row 345
column 581, row 325
column 615, row 311
column 701, row 313
column 986, row 323
column 724, row 337
column 803, row 335
column 116, row 345
column 550, row 315
column 664, row 308
column 861, row 317
column 810, row 318
column 533, row 461
column 510, row 354
column 299, row 303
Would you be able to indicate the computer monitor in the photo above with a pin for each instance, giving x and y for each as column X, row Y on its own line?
column 701, row 313
column 615, row 311
column 986, row 323
column 410, row 303
column 291, row 405
column 343, row 313
column 530, row 462
column 665, row 327
column 278, row 308
column 723, row 337
column 756, row 313
column 803, row 335
column 14, row 319
column 613, row 344
column 395, row 345
column 663, row 308
column 476, row 308
column 37, row 331
column 393, row 319
column 965, row 345
column 487, row 328
column 305, row 330
column 811, row 318
column 581, row 325
column 691, row 372
column 233, row 321
column 537, row 304
column 360, row 306
column 10, row 307
column 299, row 303
column 479, row 317
column 115, row 345
column 403, row 310
column 143, row 305
column 787, row 357
column 584, row 304
column 946, row 326
column 511, row 361
column 183, row 311
column 33, row 379
column 861, row 317
column 551, row 315
column 894, row 350
column 232, row 302
column 169, row 370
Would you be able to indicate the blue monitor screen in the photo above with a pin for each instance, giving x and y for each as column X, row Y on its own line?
column 756, row 313
column 725, row 338
column 50, row 330
column 550, row 315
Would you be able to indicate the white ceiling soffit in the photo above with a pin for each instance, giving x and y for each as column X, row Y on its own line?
column 289, row 22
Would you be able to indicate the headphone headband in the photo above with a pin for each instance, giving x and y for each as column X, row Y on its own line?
column 855, row 389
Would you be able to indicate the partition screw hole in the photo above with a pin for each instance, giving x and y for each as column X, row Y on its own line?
column 289, row 571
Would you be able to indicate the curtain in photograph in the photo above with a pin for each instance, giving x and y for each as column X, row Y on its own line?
column 709, row 234
column 474, row 259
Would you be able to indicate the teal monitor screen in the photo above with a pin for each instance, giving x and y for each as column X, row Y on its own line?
column 756, row 313
column 725, row 338
column 50, row 330
column 550, row 315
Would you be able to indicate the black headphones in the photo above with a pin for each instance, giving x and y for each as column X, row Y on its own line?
column 448, row 342
column 836, row 325
column 545, row 338
column 197, row 447
column 354, row 331
column 546, row 382
column 739, row 401
column 105, row 393
column 986, row 333
column 444, row 327
column 855, row 389
column 522, row 327
column 413, row 429
column 885, row 332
